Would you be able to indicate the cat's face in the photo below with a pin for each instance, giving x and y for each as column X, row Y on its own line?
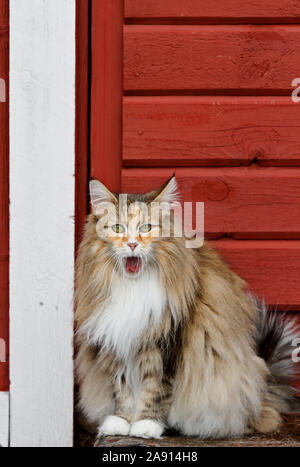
column 132, row 227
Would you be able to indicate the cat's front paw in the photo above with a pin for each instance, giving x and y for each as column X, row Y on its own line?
column 114, row 425
column 146, row 429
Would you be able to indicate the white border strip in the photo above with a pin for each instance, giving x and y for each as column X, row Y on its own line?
column 4, row 419
column 42, row 164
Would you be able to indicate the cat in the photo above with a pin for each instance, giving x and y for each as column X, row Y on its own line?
column 168, row 336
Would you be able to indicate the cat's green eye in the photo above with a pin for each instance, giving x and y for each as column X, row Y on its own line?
column 118, row 228
column 145, row 228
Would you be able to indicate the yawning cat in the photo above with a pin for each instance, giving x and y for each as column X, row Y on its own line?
column 168, row 336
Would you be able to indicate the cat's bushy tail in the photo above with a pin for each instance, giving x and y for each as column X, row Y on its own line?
column 275, row 338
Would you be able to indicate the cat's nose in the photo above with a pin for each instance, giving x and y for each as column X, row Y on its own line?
column 132, row 245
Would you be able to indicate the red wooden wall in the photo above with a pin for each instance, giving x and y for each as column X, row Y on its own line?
column 203, row 89
column 4, row 378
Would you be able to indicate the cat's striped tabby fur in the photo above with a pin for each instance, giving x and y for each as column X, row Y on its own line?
column 168, row 337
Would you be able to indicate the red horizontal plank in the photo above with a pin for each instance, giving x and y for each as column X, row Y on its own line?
column 212, row 9
column 210, row 131
column 245, row 202
column 211, row 58
column 4, row 15
column 270, row 268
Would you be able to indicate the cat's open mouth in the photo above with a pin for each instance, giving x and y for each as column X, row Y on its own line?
column 133, row 264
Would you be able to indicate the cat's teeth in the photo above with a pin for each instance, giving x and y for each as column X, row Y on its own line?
column 133, row 264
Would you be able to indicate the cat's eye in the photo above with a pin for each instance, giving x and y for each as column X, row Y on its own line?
column 145, row 228
column 118, row 228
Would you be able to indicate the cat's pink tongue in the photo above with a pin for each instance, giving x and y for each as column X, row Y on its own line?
column 133, row 264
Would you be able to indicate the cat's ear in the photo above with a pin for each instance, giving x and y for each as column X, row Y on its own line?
column 168, row 192
column 99, row 194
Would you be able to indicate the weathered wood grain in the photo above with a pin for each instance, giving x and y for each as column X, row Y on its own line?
column 287, row 436
column 277, row 9
column 42, row 195
column 243, row 58
column 4, row 205
column 270, row 268
column 245, row 202
column 206, row 131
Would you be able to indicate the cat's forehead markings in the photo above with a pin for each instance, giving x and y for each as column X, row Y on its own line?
column 135, row 209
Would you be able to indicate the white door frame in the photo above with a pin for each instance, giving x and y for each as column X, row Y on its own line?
column 4, row 419
column 42, row 185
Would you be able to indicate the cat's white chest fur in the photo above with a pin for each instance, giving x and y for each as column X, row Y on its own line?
column 134, row 304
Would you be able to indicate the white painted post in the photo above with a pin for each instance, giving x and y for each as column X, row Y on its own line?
column 4, row 419
column 42, row 164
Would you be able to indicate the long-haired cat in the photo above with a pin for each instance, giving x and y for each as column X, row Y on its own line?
column 168, row 336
